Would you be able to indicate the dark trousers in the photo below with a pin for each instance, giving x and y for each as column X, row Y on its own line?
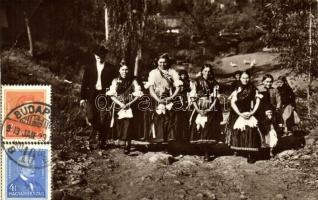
column 98, row 114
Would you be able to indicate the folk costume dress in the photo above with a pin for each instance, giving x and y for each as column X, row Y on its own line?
column 271, row 98
column 205, row 129
column 164, row 82
column 288, row 113
column 125, row 90
column 244, row 133
column 182, row 107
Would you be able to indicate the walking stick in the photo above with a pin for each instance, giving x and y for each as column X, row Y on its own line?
column 191, row 116
column 113, row 116
column 152, row 126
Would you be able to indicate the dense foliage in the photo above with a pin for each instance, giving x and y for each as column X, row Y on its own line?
column 64, row 31
column 288, row 30
column 224, row 25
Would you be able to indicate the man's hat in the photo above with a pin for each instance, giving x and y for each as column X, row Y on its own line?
column 26, row 161
column 100, row 50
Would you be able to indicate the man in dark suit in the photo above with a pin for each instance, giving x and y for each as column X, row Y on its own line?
column 97, row 78
column 25, row 184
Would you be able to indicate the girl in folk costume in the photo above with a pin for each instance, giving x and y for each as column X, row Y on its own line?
column 124, row 91
column 244, row 133
column 182, row 107
column 164, row 84
column 236, row 83
column 289, row 114
column 270, row 127
column 207, row 115
column 271, row 96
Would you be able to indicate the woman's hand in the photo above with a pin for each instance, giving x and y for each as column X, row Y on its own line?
column 202, row 112
column 162, row 101
column 83, row 103
column 246, row 115
column 122, row 105
column 207, row 110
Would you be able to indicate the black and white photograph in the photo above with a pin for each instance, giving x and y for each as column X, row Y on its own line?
column 159, row 99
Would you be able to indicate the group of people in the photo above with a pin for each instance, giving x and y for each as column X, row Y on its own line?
column 259, row 116
column 170, row 107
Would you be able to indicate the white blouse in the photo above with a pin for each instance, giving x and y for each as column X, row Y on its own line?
column 193, row 93
column 100, row 68
column 161, row 85
column 113, row 88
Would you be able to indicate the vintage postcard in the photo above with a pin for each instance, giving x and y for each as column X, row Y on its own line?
column 159, row 99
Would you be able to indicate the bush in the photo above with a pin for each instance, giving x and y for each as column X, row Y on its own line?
column 63, row 58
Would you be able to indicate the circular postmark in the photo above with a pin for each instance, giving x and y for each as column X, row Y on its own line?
column 25, row 131
column 27, row 121
column 27, row 155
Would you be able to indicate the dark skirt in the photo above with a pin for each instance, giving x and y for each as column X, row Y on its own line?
column 141, row 123
column 124, row 129
column 290, row 123
column 163, row 127
column 210, row 133
column 145, row 130
column 183, row 125
column 247, row 140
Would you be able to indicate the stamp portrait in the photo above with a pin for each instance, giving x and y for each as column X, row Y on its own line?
column 26, row 112
column 26, row 171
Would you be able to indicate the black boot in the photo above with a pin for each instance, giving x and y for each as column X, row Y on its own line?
column 102, row 140
column 127, row 147
column 251, row 159
column 206, row 157
column 102, row 145
column 93, row 140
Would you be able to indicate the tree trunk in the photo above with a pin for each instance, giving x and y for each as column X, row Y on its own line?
column 29, row 36
column 308, row 95
column 106, row 24
column 137, row 60
column 310, row 62
column 141, row 37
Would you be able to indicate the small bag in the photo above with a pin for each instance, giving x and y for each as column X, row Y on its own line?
column 125, row 113
column 200, row 121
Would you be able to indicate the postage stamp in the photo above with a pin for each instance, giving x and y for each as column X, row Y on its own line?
column 26, row 111
column 26, row 171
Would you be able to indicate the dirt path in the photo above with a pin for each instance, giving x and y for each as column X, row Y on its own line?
column 110, row 174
